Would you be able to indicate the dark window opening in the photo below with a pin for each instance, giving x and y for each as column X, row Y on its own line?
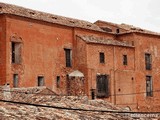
column 148, row 61
column 71, row 21
column 68, row 57
column 102, row 86
column 117, row 30
column 125, row 60
column 32, row 13
column 102, row 57
column 106, row 29
column 40, row 81
column 119, row 89
column 54, row 18
column 58, row 81
column 149, row 89
column 88, row 25
column 93, row 95
column 132, row 43
column 15, row 80
column 16, row 52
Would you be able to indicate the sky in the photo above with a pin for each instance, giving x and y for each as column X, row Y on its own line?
column 140, row 13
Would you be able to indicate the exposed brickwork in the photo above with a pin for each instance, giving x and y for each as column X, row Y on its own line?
column 76, row 86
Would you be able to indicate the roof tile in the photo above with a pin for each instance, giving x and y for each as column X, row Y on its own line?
column 47, row 17
column 102, row 40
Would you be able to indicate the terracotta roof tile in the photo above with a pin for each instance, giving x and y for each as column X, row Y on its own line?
column 28, row 13
column 102, row 40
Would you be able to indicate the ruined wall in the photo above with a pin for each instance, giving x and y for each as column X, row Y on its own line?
column 76, row 86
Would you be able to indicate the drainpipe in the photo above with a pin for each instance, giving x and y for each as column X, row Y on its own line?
column 114, row 83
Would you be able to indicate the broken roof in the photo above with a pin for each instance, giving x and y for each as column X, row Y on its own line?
column 37, row 15
column 129, row 28
column 102, row 40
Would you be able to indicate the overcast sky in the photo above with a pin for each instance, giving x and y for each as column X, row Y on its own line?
column 140, row 13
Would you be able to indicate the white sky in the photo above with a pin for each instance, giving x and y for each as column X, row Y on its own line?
column 140, row 13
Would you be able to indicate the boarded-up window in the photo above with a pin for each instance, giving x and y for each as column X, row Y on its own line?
column 102, row 57
column 68, row 57
column 16, row 52
column 149, row 88
column 125, row 60
column 102, row 86
column 40, row 81
column 148, row 61
column 15, row 80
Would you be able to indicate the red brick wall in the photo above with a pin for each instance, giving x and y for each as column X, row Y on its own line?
column 43, row 52
column 148, row 44
column 145, row 44
column 120, row 76
column 2, row 50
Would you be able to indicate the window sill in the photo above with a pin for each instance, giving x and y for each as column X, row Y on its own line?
column 149, row 97
column 16, row 63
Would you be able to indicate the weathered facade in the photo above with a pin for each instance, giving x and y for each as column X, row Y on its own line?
column 115, row 62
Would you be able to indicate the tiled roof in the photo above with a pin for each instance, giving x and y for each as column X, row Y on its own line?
column 102, row 40
column 37, row 15
column 130, row 28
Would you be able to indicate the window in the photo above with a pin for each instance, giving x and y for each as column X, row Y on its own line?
column 149, row 91
column 117, row 30
column 102, row 57
column 16, row 52
column 68, row 57
column 15, row 80
column 58, row 81
column 148, row 61
column 40, row 81
column 102, row 86
column 124, row 59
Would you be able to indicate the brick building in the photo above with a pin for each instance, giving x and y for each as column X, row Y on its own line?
column 116, row 62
